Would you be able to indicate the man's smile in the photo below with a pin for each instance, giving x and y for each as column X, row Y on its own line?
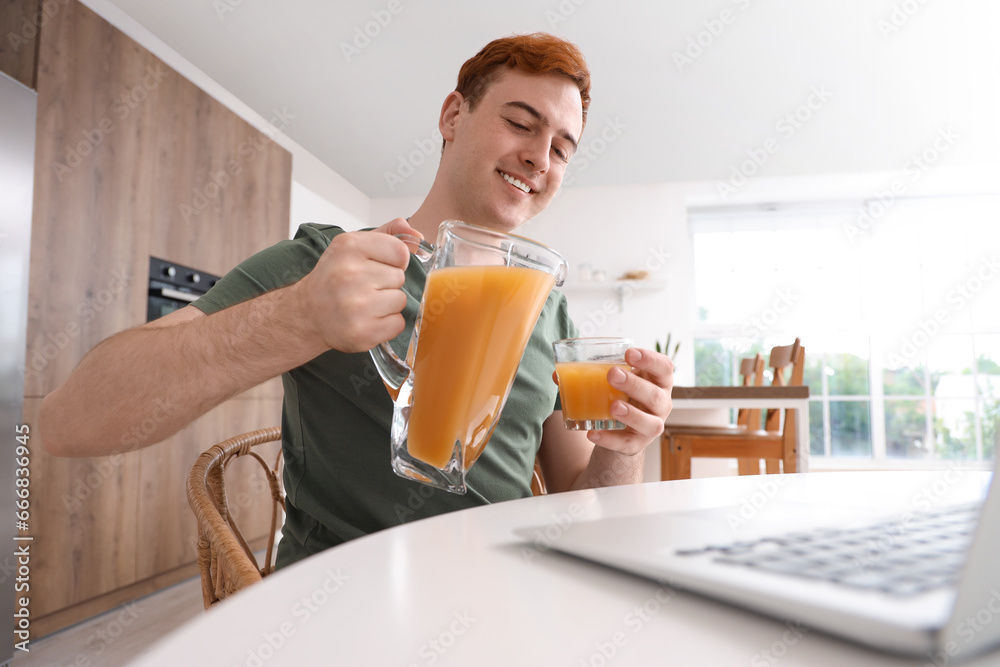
column 517, row 183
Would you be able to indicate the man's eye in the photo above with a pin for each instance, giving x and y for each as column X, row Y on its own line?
column 560, row 154
column 518, row 125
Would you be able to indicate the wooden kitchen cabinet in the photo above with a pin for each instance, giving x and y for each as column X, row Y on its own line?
column 19, row 20
column 83, row 524
column 124, row 143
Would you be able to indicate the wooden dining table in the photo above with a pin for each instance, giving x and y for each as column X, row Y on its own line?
column 691, row 403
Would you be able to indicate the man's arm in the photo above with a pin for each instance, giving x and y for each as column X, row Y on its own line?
column 578, row 460
column 167, row 373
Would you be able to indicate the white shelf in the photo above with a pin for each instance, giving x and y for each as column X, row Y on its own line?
column 614, row 285
column 619, row 287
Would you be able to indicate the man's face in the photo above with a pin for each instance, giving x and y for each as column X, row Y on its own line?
column 506, row 159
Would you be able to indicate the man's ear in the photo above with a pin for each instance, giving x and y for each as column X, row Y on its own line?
column 450, row 112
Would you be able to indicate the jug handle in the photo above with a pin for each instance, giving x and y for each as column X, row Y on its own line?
column 390, row 367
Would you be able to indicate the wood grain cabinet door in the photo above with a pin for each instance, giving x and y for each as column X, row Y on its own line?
column 19, row 22
column 132, row 160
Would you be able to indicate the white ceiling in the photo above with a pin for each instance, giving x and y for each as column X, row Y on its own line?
column 891, row 89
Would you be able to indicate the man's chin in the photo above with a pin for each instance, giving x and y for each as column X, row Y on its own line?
column 502, row 222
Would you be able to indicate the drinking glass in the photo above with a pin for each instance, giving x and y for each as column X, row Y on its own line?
column 582, row 366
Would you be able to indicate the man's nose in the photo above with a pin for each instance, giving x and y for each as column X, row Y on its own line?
column 536, row 154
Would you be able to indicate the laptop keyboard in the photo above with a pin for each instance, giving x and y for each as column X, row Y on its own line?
column 909, row 555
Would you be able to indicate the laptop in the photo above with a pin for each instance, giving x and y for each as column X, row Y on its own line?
column 922, row 583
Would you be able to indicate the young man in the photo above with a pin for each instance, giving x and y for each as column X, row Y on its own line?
column 309, row 309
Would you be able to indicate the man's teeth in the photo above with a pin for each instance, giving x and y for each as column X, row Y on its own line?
column 516, row 183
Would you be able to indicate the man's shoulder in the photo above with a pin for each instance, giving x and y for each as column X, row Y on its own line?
column 557, row 304
column 317, row 232
column 274, row 267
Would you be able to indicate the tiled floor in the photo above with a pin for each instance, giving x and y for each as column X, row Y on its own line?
column 117, row 636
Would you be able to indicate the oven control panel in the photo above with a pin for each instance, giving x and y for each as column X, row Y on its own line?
column 172, row 286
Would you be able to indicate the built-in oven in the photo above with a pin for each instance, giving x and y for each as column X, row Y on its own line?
column 173, row 286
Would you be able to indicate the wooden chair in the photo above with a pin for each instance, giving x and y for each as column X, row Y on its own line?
column 775, row 443
column 752, row 374
column 225, row 559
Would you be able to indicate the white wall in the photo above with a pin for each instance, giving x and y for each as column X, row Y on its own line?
column 307, row 206
column 618, row 229
column 386, row 208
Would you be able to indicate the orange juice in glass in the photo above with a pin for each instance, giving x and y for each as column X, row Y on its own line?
column 468, row 353
column 582, row 366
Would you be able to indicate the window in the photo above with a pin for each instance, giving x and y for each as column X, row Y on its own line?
column 898, row 307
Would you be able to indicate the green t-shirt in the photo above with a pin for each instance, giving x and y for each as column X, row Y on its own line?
column 336, row 417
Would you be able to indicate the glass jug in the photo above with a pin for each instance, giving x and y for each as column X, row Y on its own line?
column 483, row 295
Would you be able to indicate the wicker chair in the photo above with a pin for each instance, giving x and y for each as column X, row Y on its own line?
column 538, row 480
column 225, row 559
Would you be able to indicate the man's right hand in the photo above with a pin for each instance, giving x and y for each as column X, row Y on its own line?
column 351, row 301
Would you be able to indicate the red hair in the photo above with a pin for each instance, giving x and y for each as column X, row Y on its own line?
column 537, row 53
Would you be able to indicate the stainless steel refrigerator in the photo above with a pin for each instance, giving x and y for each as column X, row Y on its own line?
column 17, row 172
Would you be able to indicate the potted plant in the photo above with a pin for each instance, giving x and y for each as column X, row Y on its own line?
column 666, row 347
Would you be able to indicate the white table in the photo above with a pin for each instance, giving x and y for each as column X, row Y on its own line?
column 792, row 398
column 461, row 589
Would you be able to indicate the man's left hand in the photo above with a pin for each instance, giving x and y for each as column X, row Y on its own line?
column 648, row 389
